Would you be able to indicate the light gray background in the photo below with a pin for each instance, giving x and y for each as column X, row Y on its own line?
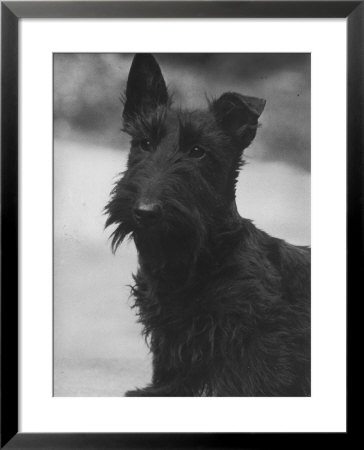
column 98, row 348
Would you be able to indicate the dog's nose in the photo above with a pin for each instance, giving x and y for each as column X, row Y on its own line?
column 147, row 213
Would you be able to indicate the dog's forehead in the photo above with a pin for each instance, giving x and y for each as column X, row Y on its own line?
column 173, row 126
column 186, row 122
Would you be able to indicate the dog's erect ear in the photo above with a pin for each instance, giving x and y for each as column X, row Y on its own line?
column 238, row 114
column 146, row 88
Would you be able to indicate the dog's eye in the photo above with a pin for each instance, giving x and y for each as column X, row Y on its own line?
column 197, row 152
column 146, row 145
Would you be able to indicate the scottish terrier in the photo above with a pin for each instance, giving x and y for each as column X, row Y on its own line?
column 225, row 307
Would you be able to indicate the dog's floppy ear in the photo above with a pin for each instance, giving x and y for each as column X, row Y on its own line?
column 146, row 88
column 238, row 115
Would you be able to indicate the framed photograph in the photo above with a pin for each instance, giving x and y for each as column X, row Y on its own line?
column 181, row 186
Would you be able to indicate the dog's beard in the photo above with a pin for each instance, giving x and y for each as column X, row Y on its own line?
column 119, row 211
column 173, row 243
column 179, row 231
column 176, row 240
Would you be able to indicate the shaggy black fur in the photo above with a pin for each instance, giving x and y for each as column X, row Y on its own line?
column 225, row 306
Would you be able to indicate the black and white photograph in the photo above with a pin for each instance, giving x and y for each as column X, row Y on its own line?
column 181, row 225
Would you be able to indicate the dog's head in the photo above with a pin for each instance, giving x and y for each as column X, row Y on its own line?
column 182, row 167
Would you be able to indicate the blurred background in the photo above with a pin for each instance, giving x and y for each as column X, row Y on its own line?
column 98, row 347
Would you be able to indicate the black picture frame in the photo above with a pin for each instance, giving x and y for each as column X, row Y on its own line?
column 11, row 12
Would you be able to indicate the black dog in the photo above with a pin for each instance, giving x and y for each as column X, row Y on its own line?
column 225, row 307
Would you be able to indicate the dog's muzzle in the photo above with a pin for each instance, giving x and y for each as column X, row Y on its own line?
column 147, row 213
